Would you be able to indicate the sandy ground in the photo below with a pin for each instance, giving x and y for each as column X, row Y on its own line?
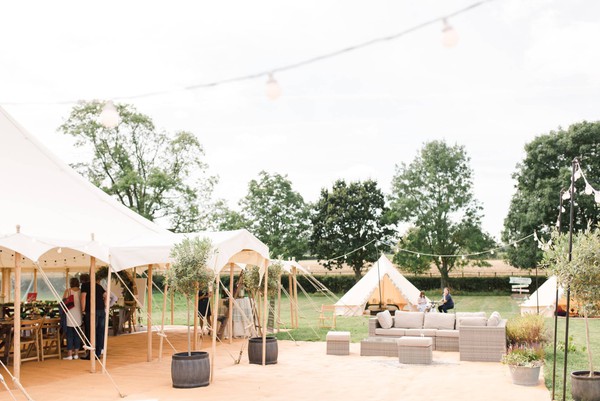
column 303, row 372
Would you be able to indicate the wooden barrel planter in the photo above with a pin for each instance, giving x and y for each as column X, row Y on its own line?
column 584, row 387
column 189, row 371
column 255, row 348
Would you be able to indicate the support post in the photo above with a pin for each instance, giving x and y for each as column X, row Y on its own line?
column 35, row 283
column 196, row 298
column 162, row 325
column 106, row 317
column 17, row 317
column 265, row 313
column 278, row 301
column 214, row 325
column 149, row 313
column 92, row 301
column 230, row 307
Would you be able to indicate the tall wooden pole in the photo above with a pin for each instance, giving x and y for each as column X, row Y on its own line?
column 5, row 285
column 294, row 272
column 162, row 325
column 17, row 316
column 149, row 312
column 215, row 310
column 230, row 308
column 291, row 296
column 278, row 301
column 106, row 317
column 92, row 302
column 67, row 278
column 265, row 314
column 35, row 283
column 172, row 307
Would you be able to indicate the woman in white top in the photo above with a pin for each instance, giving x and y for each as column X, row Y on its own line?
column 74, row 319
column 422, row 303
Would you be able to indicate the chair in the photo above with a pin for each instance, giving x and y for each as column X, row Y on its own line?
column 50, row 338
column 327, row 316
column 5, row 341
column 30, row 340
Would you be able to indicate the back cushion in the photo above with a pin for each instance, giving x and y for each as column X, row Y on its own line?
column 408, row 320
column 385, row 319
column 462, row 315
column 473, row 321
column 444, row 321
column 494, row 319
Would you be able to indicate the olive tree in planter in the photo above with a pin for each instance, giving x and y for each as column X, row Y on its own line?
column 582, row 275
column 252, row 283
column 189, row 273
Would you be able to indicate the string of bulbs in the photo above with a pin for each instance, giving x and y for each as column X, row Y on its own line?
column 109, row 116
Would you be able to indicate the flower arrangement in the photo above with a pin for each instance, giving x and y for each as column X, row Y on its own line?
column 524, row 356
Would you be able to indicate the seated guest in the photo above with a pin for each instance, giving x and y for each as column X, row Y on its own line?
column 422, row 303
column 446, row 302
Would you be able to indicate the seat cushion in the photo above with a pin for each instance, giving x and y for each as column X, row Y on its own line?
column 447, row 333
column 420, row 332
column 338, row 336
column 408, row 320
column 393, row 332
column 444, row 321
column 415, row 342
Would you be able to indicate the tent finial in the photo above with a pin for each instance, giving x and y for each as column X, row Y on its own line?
column 18, row 228
column 92, row 236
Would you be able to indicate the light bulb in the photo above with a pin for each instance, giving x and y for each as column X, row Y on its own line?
column 566, row 195
column 588, row 189
column 577, row 174
column 562, row 209
column 449, row 35
column 272, row 90
column 418, row 255
column 516, row 245
column 463, row 257
column 364, row 248
column 492, row 252
column 109, row 117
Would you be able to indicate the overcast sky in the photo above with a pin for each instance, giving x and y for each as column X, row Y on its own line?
column 520, row 69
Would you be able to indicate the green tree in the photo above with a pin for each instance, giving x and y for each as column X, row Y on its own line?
column 434, row 195
column 545, row 171
column 346, row 219
column 223, row 218
column 277, row 215
column 160, row 176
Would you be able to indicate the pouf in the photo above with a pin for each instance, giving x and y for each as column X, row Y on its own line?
column 338, row 343
column 415, row 350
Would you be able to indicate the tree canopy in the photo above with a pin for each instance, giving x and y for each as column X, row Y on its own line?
column 161, row 176
column 276, row 214
column 346, row 219
column 540, row 177
column 433, row 194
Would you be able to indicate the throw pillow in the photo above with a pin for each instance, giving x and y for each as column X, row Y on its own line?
column 385, row 319
column 494, row 319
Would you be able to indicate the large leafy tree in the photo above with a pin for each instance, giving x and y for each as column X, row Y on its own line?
column 345, row 219
column 540, row 177
column 161, row 176
column 433, row 194
column 276, row 214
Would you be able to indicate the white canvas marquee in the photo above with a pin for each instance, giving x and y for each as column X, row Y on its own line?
column 544, row 298
column 56, row 208
column 383, row 282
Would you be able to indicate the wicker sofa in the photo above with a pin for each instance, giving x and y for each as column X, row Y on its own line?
column 465, row 332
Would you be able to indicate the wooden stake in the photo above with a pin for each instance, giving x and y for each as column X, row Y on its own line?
column 149, row 313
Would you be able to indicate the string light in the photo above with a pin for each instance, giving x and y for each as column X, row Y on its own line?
column 109, row 117
column 449, row 38
column 449, row 35
column 273, row 90
column 566, row 195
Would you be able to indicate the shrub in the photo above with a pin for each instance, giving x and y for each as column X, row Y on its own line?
column 526, row 330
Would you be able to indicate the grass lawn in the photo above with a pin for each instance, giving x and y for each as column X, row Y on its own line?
column 358, row 327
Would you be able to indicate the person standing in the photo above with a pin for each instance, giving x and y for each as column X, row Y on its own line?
column 446, row 302
column 100, row 312
column 422, row 303
column 73, row 319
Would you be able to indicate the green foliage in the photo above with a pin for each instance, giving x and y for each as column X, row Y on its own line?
column 225, row 219
column 158, row 175
column 277, row 215
column 527, row 330
column 434, row 195
column 189, row 271
column 347, row 218
column 540, row 177
column 253, row 280
column 524, row 356
column 573, row 347
column 580, row 272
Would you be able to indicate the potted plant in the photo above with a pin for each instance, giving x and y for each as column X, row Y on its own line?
column 189, row 273
column 581, row 275
column 524, row 363
column 254, row 285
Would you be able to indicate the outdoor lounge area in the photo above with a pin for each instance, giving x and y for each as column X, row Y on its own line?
column 303, row 372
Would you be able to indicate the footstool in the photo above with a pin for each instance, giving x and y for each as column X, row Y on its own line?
column 379, row 346
column 415, row 350
column 338, row 343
